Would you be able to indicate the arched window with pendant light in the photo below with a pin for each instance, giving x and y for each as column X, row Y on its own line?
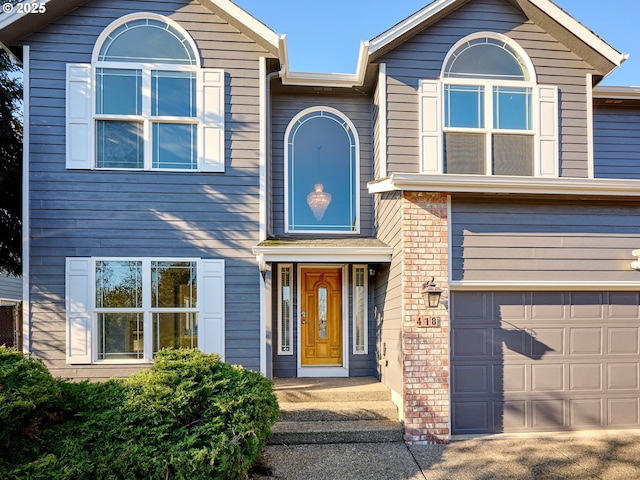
column 321, row 173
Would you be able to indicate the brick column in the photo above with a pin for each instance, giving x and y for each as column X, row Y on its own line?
column 425, row 227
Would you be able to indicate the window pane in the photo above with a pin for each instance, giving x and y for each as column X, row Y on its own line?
column 147, row 41
column 174, row 146
column 175, row 330
column 322, row 177
column 118, row 284
column 173, row 94
column 119, row 144
column 120, row 336
column 513, row 155
column 512, row 108
column 173, row 284
column 359, row 300
column 119, row 91
column 285, row 309
column 464, row 153
column 464, row 106
column 486, row 58
column 322, row 312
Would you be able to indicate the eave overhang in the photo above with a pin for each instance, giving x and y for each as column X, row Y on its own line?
column 508, row 185
column 349, row 250
column 542, row 12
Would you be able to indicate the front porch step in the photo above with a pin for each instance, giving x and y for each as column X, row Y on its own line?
column 335, row 410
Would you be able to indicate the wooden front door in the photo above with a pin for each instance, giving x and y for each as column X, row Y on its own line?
column 321, row 317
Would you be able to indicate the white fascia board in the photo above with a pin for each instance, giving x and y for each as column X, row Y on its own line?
column 310, row 79
column 248, row 20
column 580, row 31
column 617, row 93
column 501, row 184
column 312, row 254
column 555, row 12
column 408, row 24
column 469, row 285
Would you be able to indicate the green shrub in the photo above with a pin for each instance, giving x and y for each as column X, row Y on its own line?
column 30, row 398
column 190, row 416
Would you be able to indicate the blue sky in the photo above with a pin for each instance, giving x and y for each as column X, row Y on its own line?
column 325, row 36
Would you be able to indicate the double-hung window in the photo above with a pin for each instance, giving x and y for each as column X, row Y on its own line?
column 144, row 103
column 486, row 115
column 128, row 309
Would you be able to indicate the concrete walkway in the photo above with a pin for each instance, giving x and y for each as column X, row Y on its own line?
column 580, row 456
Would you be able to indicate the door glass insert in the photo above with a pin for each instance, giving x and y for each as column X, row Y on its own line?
column 322, row 312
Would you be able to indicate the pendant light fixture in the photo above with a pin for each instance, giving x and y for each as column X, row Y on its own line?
column 318, row 199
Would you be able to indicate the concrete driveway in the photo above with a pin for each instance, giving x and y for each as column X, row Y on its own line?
column 592, row 456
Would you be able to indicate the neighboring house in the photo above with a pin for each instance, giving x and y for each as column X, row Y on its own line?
column 10, row 302
column 186, row 189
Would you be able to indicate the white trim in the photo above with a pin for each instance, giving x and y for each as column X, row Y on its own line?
column 310, row 254
column 590, row 146
column 528, row 64
column 247, row 20
column 26, row 222
column 354, row 170
column 382, row 121
column 565, row 20
column 544, row 285
column 338, row 371
column 142, row 16
column 364, row 267
column 505, row 184
column 262, row 154
column 279, row 329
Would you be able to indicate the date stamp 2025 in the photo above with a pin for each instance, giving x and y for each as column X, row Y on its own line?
column 31, row 7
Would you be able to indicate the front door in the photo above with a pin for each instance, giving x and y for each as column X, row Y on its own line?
column 321, row 317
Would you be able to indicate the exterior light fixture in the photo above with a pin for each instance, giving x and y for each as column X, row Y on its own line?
column 431, row 294
column 636, row 263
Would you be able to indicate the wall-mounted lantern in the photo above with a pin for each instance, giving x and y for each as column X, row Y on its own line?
column 431, row 294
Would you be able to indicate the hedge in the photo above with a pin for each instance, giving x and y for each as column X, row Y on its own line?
column 190, row 416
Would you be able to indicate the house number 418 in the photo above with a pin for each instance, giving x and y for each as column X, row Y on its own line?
column 428, row 321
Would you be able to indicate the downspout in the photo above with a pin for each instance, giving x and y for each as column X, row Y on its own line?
column 266, row 227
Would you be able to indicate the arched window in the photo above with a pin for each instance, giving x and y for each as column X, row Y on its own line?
column 144, row 102
column 488, row 90
column 321, row 159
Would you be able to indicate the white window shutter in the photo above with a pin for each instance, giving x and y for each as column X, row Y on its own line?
column 211, row 116
column 547, row 147
column 211, row 325
column 430, row 126
column 78, row 277
column 78, row 127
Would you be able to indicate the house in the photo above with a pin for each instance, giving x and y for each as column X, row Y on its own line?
column 185, row 188
column 10, row 304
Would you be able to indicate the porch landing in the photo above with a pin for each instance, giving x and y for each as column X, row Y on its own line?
column 335, row 410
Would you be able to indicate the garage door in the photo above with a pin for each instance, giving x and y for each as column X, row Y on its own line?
column 535, row 361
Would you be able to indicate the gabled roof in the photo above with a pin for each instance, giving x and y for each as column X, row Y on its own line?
column 544, row 13
column 15, row 26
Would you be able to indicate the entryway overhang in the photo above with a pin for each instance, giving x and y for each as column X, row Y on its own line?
column 334, row 250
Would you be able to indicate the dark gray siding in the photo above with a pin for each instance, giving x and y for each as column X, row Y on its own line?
column 102, row 213
column 376, row 126
column 388, row 291
column 554, row 240
column 10, row 288
column 616, row 142
column 358, row 110
column 422, row 56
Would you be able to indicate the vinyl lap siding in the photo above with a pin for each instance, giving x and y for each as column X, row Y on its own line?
column 358, row 110
column 10, row 288
column 421, row 57
column 543, row 241
column 109, row 213
column 616, row 143
column 388, row 292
